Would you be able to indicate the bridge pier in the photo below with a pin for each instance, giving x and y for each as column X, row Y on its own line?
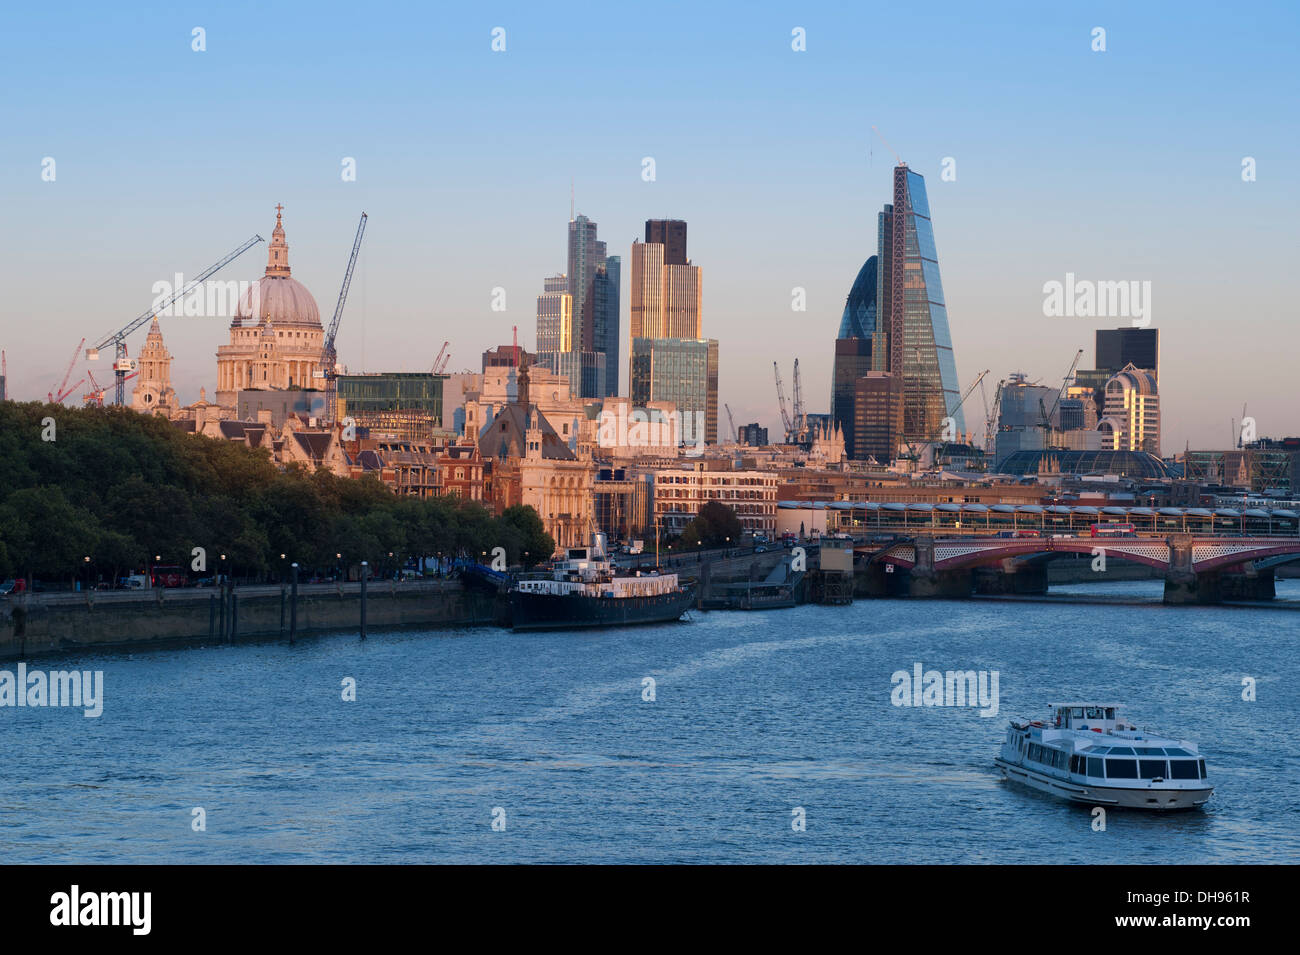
column 1189, row 588
column 1250, row 585
column 1013, row 577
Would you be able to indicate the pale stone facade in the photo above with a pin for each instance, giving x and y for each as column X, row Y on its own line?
column 276, row 336
column 153, row 392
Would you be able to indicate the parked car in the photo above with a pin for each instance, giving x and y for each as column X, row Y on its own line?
column 7, row 587
column 760, row 549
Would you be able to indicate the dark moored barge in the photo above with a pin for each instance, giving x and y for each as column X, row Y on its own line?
column 582, row 590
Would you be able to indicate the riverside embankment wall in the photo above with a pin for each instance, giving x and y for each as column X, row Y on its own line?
column 34, row 624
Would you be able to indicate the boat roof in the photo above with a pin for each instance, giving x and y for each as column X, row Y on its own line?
column 1111, row 705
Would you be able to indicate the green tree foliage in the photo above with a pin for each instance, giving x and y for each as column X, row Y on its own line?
column 122, row 487
column 531, row 544
column 713, row 526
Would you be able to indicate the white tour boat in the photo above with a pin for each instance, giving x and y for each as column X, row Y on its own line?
column 1085, row 752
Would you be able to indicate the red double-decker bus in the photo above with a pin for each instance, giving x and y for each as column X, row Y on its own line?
column 169, row 577
column 1114, row 530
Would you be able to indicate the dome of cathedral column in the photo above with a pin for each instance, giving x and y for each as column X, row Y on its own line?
column 278, row 297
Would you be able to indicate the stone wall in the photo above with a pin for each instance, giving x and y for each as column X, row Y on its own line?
column 34, row 624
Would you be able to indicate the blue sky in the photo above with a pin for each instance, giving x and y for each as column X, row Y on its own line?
column 1117, row 165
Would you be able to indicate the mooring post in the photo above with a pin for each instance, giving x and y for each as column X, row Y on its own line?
column 221, row 622
column 293, row 605
column 234, row 614
column 282, row 597
column 365, row 572
column 212, row 615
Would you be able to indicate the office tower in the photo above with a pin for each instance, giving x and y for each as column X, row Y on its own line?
column 913, row 318
column 555, row 315
column 671, row 234
column 683, row 371
column 853, row 348
column 670, row 358
column 593, row 286
column 1116, row 348
column 1132, row 412
column 878, row 416
column 754, row 435
column 1139, row 347
column 667, row 297
column 606, row 290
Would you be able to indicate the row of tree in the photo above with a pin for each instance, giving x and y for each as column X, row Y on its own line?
column 123, row 489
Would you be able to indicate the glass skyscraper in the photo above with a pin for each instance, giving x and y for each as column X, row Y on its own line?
column 593, row 286
column 913, row 314
column 683, row 371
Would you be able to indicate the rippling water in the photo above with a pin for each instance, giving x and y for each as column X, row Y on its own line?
column 755, row 714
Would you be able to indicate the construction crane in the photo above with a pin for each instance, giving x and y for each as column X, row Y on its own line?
column 734, row 436
column 952, row 412
column 437, row 359
column 96, row 394
column 1048, row 433
column 440, row 361
column 991, row 420
column 121, row 364
column 780, row 397
column 329, row 357
column 887, row 146
column 62, row 391
column 800, row 418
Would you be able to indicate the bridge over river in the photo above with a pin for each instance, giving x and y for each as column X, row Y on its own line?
column 1196, row 568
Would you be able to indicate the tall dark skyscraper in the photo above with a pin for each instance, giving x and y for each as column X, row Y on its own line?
column 671, row 234
column 1117, row 347
column 853, row 347
column 605, row 310
column 912, row 313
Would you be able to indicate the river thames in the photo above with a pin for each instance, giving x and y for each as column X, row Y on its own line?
column 757, row 720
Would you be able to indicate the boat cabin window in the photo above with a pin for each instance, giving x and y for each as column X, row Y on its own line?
column 1175, row 751
column 1183, row 769
column 1152, row 769
column 1094, row 766
column 1122, row 750
column 1121, row 769
column 1093, row 712
column 1202, row 764
column 1149, row 751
